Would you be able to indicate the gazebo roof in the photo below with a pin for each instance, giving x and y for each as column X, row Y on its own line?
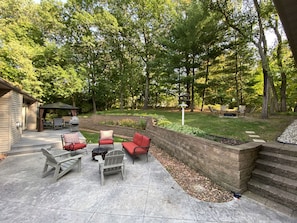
column 59, row 105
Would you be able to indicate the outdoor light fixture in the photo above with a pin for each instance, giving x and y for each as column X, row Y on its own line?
column 183, row 106
column 18, row 124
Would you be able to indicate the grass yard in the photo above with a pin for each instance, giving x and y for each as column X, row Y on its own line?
column 92, row 137
column 233, row 128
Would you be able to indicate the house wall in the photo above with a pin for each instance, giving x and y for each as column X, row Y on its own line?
column 5, row 134
column 10, row 114
column 16, row 103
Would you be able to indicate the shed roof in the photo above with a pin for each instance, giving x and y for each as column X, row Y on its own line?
column 59, row 105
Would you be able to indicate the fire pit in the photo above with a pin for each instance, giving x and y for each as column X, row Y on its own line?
column 74, row 122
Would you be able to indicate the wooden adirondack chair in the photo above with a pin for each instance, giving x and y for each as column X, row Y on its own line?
column 62, row 163
column 113, row 163
column 58, row 123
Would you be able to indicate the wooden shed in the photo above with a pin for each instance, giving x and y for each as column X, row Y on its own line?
column 18, row 112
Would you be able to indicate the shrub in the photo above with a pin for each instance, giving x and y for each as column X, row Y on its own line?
column 127, row 123
column 142, row 124
column 163, row 122
column 185, row 129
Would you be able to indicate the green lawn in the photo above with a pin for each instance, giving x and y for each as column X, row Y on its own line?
column 234, row 128
column 92, row 137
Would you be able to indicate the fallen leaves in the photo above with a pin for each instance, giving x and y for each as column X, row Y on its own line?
column 194, row 183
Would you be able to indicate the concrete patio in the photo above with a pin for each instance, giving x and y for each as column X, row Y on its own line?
column 148, row 193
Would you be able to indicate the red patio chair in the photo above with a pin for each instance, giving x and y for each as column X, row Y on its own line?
column 106, row 138
column 71, row 142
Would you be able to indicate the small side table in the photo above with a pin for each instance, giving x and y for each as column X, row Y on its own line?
column 99, row 151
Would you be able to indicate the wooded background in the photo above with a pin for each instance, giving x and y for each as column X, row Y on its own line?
column 140, row 54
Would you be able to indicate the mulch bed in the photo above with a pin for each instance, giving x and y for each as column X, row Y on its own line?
column 194, row 183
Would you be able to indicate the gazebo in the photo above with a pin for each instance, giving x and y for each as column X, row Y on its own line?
column 58, row 105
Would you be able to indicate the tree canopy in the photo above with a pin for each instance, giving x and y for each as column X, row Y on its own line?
column 139, row 54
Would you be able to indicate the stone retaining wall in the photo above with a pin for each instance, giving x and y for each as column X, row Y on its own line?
column 228, row 166
column 96, row 123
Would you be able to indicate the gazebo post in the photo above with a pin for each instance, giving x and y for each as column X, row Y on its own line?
column 40, row 122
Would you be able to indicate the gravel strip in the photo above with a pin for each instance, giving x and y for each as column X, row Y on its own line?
column 289, row 135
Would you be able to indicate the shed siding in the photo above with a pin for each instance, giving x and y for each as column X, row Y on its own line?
column 5, row 122
column 16, row 116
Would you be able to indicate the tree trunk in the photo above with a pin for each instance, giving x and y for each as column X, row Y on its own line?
column 236, row 77
column 283, row 89
column 188, row 84
column 146, row 90
column 205, row 83
column 283, row 93
column 192, row 89
column 265, row 95
column 94, row 103
column 262, row 48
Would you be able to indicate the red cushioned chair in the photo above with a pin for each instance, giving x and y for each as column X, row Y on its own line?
column 71, row 142
column 138, row 146
column 106, row 138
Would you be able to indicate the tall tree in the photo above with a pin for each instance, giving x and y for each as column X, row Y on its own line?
column 148, row 18
column 248, row 22
column 193, row 41
column 20, row 39
column 89, row 26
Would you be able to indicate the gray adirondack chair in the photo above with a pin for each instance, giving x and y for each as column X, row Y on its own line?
column 58, row 123
column 113, row 163
column 62, row 163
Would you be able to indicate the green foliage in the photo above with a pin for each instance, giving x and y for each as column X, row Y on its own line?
column 163, row 122
column 20, row 39
column 233, row 128
column 140, row 124
column 127, row 123
column 185, row 129
column 129, row 54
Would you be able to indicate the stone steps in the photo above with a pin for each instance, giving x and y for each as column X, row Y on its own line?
column 276, row 168
column 279, row 158
column 275, row 194
column 275, row 175
column 280, row 149
column 280, row 182
column 17, row 150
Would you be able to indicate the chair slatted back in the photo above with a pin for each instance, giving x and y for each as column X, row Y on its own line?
column 49, row 156
column 113, row 158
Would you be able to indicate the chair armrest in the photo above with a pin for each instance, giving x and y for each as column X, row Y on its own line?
column 70, row 158
column 62, row 154
column 142, row 147
column 100, row 160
